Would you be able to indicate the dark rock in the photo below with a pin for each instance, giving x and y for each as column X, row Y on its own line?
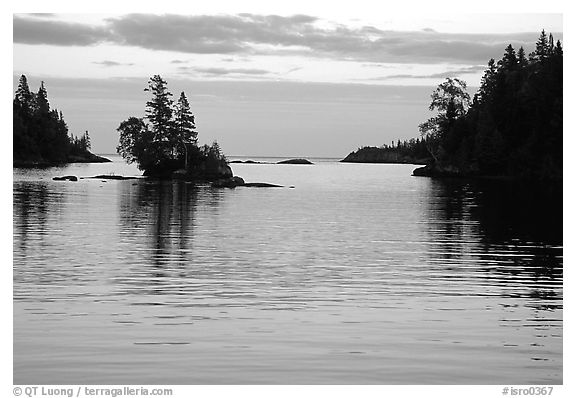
column 262, row 185
column 247, row 162
column 66, row 178
column 435, row 170
column 113, row 177
column 422, row 172
column 235, row 181
column 87, row 157
column 231, row 182
column 295, row 161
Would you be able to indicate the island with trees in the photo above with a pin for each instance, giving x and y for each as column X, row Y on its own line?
column 512, row 127
column 412, row 151
column 40, row 134
column 164, row 143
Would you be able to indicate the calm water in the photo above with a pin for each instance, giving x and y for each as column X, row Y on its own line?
column 360, row 274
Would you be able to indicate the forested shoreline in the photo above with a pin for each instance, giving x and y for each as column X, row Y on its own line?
column 512, row 127
column 40, row 134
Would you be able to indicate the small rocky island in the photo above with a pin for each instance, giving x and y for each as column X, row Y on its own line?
column 164, row 144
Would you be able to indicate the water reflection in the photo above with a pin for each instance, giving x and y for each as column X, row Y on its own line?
column 32, row 203
column 162, row 213
column 35, row 205
column 508, row 231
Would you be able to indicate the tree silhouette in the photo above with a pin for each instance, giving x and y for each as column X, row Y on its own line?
column 159, row 110
column 165, row 140
column 451, row 100
column 514, row 125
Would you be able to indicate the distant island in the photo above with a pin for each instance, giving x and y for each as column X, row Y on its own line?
column 295, row 161
column 287, row 161
column 512, row 127
column 40, row 134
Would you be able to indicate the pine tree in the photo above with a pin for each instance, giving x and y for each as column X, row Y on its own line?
column 558, row 49
column 24, row 97
column 550, row 44
column 488, row 81
column 542, row 48
column 184, row 121
column 509, row 59
column 522, row 61
column 87, row 141
column 159, row 110
column 42, row 106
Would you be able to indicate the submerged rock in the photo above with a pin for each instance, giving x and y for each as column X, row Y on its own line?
column 236, row 181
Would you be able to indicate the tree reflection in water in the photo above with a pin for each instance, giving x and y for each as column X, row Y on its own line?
column 511, row 232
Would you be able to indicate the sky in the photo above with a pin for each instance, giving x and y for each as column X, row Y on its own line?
column 283, row 79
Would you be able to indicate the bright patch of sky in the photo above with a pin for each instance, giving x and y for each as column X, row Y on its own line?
column 312, row 52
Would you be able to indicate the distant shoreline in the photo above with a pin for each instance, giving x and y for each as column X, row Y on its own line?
column 89, row 157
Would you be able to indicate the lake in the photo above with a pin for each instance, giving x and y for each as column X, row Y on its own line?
column 359, row 274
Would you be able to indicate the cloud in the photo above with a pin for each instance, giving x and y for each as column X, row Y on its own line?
column 59, row 33
column 42, row 15
column 449, row 73
column 249, row 34
column 215, row 71
column 111, row 63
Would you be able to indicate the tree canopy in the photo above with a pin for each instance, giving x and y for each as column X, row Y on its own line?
column 40, row 134
column 513, row 125
column 166, row 139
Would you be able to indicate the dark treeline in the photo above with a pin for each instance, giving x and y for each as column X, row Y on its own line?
column 414, row 151
column 40, row 134
column 511, row 127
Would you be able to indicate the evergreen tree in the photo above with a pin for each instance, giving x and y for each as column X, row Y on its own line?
column 558, row 52
column 159, row 110
column 40, row 135
column 24, row 97
column 165, row 140
column 88, row 143
column 522, row 61
column 42, row 106
column 542, row 48
column 488, row 82
column 513, row 128
column 509, row 60
column 184, row 121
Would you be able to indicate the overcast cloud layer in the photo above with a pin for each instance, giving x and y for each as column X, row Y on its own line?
column 249, row 34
